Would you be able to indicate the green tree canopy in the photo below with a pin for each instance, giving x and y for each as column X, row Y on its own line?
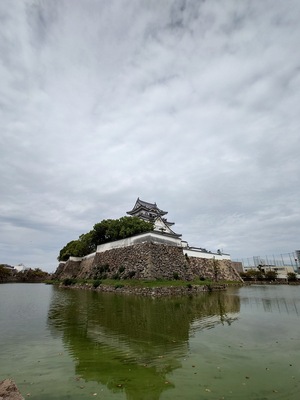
column 78, row 248
column 105, row 231
column 5, row 273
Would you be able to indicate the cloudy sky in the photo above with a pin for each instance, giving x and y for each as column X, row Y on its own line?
column 190, row 104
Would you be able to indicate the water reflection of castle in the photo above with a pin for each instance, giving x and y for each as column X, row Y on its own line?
column 130, row 343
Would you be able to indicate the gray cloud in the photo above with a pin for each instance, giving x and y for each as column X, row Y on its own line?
column 190, row 104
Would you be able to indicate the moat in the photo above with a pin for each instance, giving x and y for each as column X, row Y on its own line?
column 72, row 344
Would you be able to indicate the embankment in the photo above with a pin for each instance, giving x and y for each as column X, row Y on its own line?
column 146, row 261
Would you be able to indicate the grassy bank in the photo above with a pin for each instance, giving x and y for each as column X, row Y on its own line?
column 140, row 283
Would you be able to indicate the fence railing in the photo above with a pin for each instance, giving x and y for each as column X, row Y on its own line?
column 276, row 260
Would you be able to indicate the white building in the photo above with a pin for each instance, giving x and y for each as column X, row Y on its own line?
column 20, row 268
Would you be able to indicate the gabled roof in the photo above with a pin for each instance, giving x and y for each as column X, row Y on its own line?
column 144, row 205
column 167, row 222
column 161, row 225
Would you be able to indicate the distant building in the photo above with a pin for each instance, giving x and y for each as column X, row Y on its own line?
column 282, row 271
column 238, row 266
column 20, row 268
column 7, row 267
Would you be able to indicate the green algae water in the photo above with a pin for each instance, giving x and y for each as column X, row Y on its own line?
column 75, row 344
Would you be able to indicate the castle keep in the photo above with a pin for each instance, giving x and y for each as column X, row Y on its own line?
column 151, row 213
column 158, row 254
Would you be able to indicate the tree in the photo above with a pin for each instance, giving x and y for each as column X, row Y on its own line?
column 78, row 248
column 5, row 273
column 253, row 274
column 270, row 275
column 105, row 231
column 216, row 269
column 291, row 277
column 68, row 250
column 32, row 275
column 110, row 230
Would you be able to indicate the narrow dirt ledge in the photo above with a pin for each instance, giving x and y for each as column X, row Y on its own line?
column 150, row 291
column 9, row 390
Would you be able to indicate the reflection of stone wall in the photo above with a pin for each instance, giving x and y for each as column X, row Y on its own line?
column 147, row 261
column 133, row 344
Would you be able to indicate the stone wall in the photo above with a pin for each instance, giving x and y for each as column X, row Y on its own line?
column 69, row 269
column 147, row 261
column 86, row 266
column 211, row 269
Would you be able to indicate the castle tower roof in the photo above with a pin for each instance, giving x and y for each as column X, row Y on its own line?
column 144, row 205
column 151, row 213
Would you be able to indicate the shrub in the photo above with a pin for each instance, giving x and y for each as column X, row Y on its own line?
column 116, row 276
column 4, row 273
column 291, row 276
column 121, row 269
column 189, row 286
column 175, row 276
column 254, row 274
column 209, row 287
column 271, row 275
column 69, row 281
column 118, row 286
column 131, row 274
column 99, row 271
column 96, row 283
